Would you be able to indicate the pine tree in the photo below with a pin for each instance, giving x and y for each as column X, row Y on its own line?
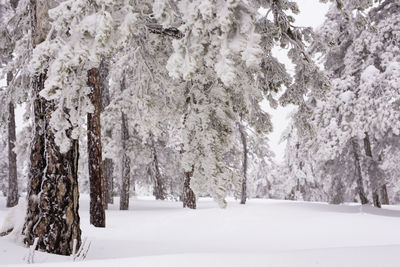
column 348, row 125
column 126, row 165
column 6, row 48
column 12, row 196
column 108, row 164
column 53, row 196
column 95, row 162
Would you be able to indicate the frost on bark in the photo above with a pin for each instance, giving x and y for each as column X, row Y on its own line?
column 189, row 198
column 358, row 173
column 159, row 190
column 53, row 197
column 97, row 212
column 245, row 152
column 12, row 196
column 108, row 164
column 126, row 167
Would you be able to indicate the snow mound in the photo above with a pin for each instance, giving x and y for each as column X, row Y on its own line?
column 14, row 220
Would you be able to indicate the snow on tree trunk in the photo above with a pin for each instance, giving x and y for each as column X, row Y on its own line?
column 126, row 167
column 360, row 184
column 189, row 198
column 108, row 164
column 159, row 190
column 97, row 212
column 245, row 152
column 12, row 196
column 53, row 196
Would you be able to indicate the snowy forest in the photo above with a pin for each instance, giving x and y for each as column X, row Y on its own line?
column 154, row 105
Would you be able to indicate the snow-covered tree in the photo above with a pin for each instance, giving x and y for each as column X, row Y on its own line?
column 225, row 56
column 52, row 214
column 348, row 126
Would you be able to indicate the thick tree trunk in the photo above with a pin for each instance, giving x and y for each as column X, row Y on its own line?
column 97, row 212
column 53, row 196
column 189, row 198
column 108, row 164
column 159, row 190
column 358, row 173
column 245, row 152
column 12, row 196
column 126, row 167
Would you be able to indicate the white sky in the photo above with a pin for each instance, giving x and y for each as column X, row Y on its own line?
column 312, row 14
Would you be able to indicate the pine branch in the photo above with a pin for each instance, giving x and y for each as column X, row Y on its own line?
column 170, row 31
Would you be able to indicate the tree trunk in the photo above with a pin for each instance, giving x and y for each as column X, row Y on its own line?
column 108, row 164
column 384, row 195
column 97, row 213
column 358, row 173
column 12, row 196
column 189, row 199
column 53, row 196
column 159, row 190
column 373, row 171
column 245, row 152
column 126, row 167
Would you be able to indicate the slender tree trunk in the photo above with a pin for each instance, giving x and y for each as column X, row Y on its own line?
column 358, row 173
column 126, row 167
column 372, row 171
column 384, row 194
column 108, row 164
column 97, row 213
column 159, row 190
column 53, row 196
column 245, row 154
column 12, row 196
column 189, row 198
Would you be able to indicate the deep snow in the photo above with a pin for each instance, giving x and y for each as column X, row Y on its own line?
column 260, row 233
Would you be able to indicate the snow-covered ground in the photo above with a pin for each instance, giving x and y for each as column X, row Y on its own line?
column 260, row 233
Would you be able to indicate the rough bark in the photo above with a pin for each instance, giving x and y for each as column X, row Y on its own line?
column 126, row 167
column 108, row 164
column 97, row 212
column 12, row 196
column 53, row 197
column 358, row 173
column 245, row 154
column 189, row 198
column 159, row 190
